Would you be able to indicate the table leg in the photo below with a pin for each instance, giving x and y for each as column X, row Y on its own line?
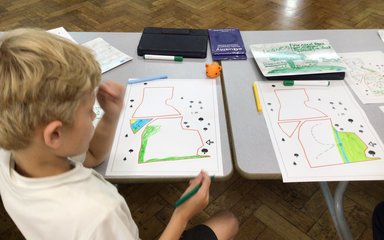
column 335, row 207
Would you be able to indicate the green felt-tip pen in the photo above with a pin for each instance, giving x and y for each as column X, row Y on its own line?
column 163, row 57
column 190, row 194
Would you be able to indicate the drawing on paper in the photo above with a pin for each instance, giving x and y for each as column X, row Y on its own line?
column 168, row 127
column 318, row 131
column 366, row 75
column 294, row 58
column 158, row 118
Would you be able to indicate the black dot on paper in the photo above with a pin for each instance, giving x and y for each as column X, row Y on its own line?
column 350, row 120
column 124, row 159
column 131, row 100
column 145, row 83
column 204, row 150
column 331, row 103
column 361, row 131
column 336, row 125
column 205, row 129
column 201, row 119
column 296, row 154
column 372, row 152
column 126, row 135
column 130, row 150
column 187, row 126
column 185, row 122
column 273, row 85
column 283, row 139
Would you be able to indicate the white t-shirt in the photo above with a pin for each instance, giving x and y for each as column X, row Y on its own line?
column 78, row 204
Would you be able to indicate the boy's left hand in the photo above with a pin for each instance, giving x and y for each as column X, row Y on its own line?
column 110, row 96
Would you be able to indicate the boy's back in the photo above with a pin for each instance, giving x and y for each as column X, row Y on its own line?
column 47, row 93
column 79, row 201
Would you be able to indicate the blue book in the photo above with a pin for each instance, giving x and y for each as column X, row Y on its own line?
column 227, row 44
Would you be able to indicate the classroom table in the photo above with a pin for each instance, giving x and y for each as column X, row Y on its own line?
column 253, row 152
column 138, row 67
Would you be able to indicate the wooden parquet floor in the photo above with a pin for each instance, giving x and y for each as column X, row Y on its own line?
column 267, row 209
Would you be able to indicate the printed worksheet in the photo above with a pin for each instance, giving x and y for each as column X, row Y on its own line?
column 106, row 55
column 168, row 128
column 321, row 133
column 381, row 34
column 60, row 31
column 365, row 75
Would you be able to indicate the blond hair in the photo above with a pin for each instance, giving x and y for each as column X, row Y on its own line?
column 42, row 78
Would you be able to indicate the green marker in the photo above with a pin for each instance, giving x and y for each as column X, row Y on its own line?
column 324, row 83
column 163, row 57
column 190, row 194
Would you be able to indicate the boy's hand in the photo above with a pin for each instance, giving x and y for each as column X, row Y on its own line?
column 110, row 96
column 199, row 201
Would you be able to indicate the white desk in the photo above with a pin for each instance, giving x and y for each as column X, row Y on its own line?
column 252, row 148
column 138, row 67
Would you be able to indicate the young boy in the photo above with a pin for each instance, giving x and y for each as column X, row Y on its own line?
column 47, row 93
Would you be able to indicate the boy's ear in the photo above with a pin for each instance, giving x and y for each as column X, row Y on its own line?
column 53, row 134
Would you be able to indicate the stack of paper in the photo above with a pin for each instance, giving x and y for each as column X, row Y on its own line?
column 108, row 56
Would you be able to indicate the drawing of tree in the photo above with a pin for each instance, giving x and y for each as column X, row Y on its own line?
column 289, row 57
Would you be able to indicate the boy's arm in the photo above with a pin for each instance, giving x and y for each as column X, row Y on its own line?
column 188, row 209
column 110, row 96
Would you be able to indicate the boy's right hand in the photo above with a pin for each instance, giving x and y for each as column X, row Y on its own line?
column 199, row 201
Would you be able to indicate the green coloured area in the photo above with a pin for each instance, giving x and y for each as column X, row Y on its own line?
column 175, row 158
column 351, row 147
column 310, row 68
column 150, row 131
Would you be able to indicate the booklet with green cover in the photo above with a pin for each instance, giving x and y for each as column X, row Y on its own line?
column 301, row 60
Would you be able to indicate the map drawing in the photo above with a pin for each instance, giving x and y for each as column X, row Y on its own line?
column 321, row 133
column 365, row 75
column 168, row 128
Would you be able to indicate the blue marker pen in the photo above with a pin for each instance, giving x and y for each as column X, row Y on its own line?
column 146, row 79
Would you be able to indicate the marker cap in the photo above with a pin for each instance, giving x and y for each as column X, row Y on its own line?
column 288, row 82
column 178, row 58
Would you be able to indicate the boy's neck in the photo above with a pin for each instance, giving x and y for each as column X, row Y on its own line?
column 35, row 164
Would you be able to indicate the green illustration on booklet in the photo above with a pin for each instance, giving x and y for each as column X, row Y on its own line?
column 296, row 58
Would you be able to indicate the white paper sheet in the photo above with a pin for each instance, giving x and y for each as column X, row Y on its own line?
column 365, row 75
column 381, row 34
column 62, row 32
column 321, row 133
column 108, row 56
column 168, row 128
